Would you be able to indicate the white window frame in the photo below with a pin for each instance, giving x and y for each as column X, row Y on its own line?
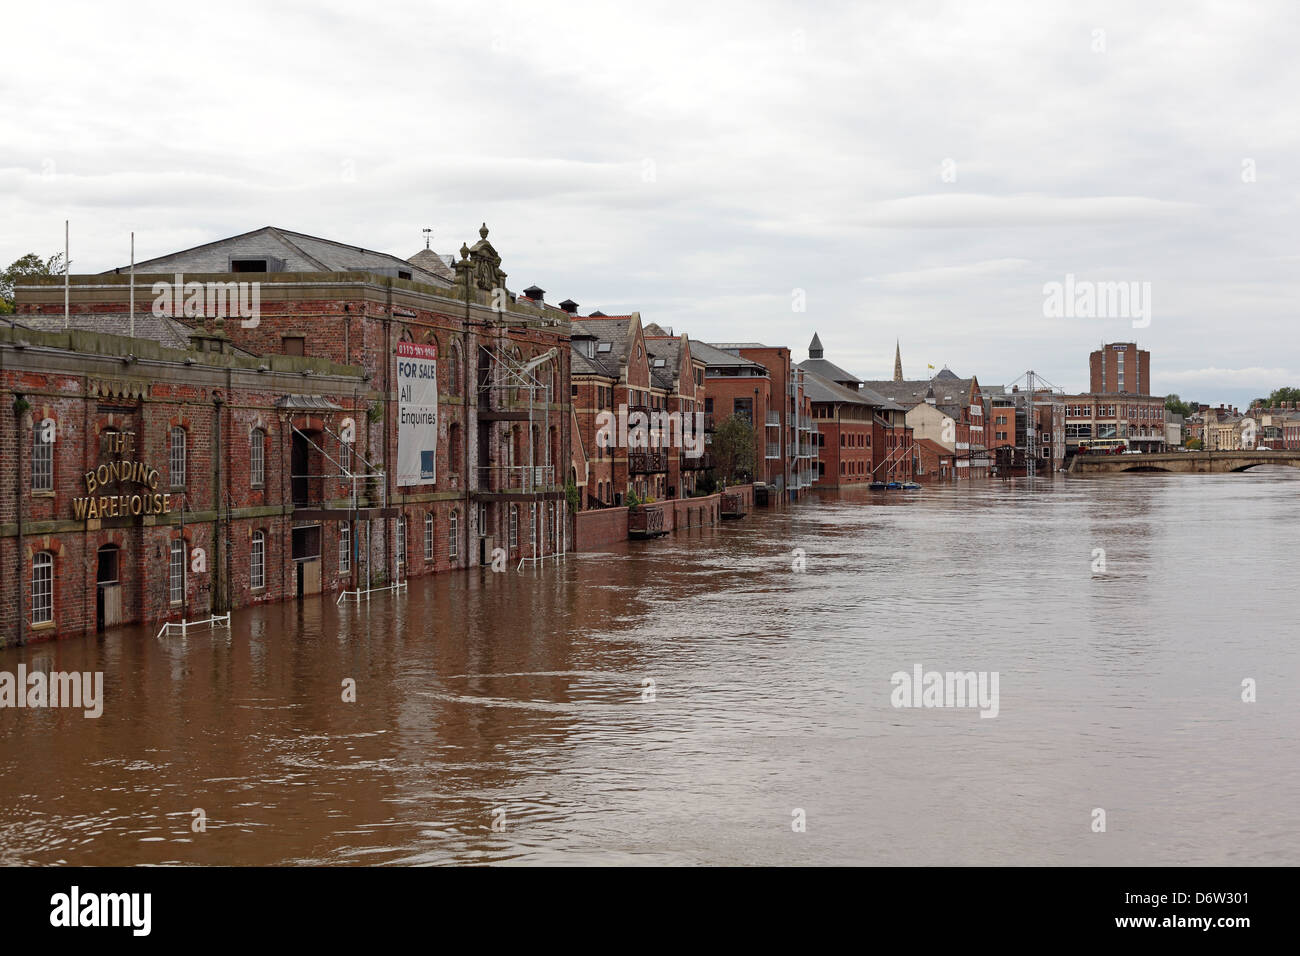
column 428, row 535
column 176, row 571
column 176, row 456
column 257, row 561
column 43, row 587
column 42, row 460
column 257, row 458
column 345, row 548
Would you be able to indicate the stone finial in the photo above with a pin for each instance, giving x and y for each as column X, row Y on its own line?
column 464, row 251
column 483, row 231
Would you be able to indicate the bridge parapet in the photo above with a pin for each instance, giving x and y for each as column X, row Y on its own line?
column 1183, row 462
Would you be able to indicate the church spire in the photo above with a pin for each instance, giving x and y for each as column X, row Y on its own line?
column 898, row 363
column 815, row 350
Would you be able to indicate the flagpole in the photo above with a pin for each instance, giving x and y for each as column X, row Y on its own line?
column 66, row 263
column 133, row 285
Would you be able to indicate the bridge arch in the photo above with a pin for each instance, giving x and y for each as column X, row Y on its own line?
column 1277, row 464
column 1147, row 468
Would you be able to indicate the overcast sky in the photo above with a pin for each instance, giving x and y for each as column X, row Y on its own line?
column 918, row 170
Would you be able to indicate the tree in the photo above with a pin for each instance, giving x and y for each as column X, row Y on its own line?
column 1176, row 406
column 733, row 449
column 1195, row 444
column 26, row 267
column 1280, row 395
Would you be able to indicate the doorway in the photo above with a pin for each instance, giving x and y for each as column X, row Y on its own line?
column 108, row 589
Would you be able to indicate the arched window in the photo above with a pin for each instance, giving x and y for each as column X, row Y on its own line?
column 43, row 457
column 428, row 536
column 453, row 533
column 257, row 458
column 176, row 571
column 42, row 588
column 176, row 457
column 257, row 561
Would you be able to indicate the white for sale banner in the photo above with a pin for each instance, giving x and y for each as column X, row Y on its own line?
column 417, row 413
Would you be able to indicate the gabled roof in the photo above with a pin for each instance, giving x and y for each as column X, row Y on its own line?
column 298, row 252
column 614, row 330
column 828, row 370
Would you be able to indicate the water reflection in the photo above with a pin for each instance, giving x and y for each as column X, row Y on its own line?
column 519, row 699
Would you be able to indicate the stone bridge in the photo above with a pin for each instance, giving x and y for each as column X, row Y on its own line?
column 1189, row 462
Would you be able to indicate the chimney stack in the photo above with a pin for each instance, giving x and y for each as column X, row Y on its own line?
column 569, row 306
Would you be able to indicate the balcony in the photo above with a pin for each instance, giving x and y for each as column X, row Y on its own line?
column 704, row 462
column 773, row 450
column 773, row 419
column 647, row 461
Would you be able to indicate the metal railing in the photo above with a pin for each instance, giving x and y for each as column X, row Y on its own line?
column 645, row 461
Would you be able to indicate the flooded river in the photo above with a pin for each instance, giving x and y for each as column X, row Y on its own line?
column 698, row 700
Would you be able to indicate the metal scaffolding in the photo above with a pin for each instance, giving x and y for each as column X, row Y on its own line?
column 503, row 373
column 1034, row 384
column 370, row 472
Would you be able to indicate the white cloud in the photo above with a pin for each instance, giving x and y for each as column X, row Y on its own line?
column 791, row 147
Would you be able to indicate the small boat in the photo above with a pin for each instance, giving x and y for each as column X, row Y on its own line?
column 894, row 485
column 911, row 486
column 877, row 486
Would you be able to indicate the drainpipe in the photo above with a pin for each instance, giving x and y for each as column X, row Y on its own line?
column 215, row 594
column 389, row 459
column 464, row 418
column 18, row 500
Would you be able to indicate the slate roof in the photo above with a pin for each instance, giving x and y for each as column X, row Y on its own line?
column 828, row 370
column 949, row 390
column 612, row 329
column 824, row 390
column 668, row 348
column 934, row 446
column 820, row 389
column 298, row 251
column 166, row 331
column 713, row 356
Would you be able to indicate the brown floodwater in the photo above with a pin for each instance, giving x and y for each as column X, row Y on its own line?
column 506, row 718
